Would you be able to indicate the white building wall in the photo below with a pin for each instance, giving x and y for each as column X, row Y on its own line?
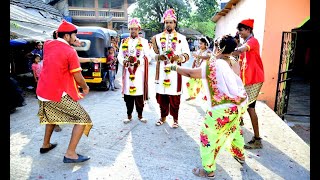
column 244, row 9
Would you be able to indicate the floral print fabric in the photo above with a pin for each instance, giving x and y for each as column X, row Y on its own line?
column 221, row 129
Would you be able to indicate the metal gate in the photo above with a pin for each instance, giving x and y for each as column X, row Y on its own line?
column 288, row 47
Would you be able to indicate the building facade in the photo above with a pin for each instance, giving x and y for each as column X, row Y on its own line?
column 271, row 19
column 111, row 14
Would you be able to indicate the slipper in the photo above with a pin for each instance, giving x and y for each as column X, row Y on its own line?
column 197, row 172
column 144, row 120
column 239, row 160
column 45, row 150
column 175, row 125
column 159, row 122
column 127, row 121
column 80, row 159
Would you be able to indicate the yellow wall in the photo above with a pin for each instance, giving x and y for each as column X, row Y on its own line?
column 280, row 16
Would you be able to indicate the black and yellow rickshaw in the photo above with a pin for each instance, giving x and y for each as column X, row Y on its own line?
column 94, row 42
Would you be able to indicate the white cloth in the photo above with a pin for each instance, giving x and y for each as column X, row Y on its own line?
column 181, row 47
column 139, row 74
column 228, row 83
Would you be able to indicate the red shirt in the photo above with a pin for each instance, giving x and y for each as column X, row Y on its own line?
column 251, row 63
column 60, row 61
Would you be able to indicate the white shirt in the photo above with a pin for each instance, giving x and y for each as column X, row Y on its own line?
column 182, row 46
column 139, row 74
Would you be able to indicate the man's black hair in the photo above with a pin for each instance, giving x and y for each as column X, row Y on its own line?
column 61, row 34
column 54, row 35
column 242, row 26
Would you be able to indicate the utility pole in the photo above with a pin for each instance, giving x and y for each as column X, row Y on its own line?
column 110, row 16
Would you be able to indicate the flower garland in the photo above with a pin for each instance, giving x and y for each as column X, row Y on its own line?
column 169, row 53
column 132, row 72
column 133, row 61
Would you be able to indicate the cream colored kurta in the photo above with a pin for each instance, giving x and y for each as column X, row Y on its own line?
column 181, row 47
column 139, row 75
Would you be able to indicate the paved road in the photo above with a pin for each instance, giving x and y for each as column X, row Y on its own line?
column 145, row 151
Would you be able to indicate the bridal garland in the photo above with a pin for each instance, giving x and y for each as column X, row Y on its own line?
column 133, row 62
column 170, row 52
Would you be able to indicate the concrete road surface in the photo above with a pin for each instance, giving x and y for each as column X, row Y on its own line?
column 137, row 151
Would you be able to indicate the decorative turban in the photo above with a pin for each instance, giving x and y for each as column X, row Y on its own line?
column 66, row 27
column 248, row 22
column 134, row 23
column 169, row 15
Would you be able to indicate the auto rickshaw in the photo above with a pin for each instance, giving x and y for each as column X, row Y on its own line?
column 94, row 42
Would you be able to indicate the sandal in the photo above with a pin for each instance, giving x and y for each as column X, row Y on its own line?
column 202, row 173
column 175, row 125
column 159, row 122
column 127, row 121
column 239, row 160
column 144, row 120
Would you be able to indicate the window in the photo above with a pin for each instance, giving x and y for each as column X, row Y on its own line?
column 81, row 3
column 114, row 4
column 103, row 3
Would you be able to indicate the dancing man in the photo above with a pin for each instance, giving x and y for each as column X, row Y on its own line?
column 251, row 73
column 58, row 92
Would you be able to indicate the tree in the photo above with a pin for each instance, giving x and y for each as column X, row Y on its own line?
column 206, row 9
column 200, row 20
column 150, row 13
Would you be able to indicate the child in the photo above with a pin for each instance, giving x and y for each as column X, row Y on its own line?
column 36, row 67
column 195, row 85
column 111, row 62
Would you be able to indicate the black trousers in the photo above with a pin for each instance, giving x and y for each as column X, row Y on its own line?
column 131, row 101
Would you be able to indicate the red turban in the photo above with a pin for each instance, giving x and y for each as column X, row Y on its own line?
column 248, row 22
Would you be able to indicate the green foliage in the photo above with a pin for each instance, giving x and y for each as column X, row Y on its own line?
column 206, row 28
column 201, row 19
column 206, row 9
column 150, row 12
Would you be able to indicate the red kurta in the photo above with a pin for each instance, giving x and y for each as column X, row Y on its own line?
column 251, row 63
column 59, row 63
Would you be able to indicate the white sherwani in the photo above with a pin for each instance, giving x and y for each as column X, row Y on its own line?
column 181, row 48
column 139, row 75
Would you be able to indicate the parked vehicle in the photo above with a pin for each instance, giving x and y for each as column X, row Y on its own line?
column 124, row 35
column 94, row 43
